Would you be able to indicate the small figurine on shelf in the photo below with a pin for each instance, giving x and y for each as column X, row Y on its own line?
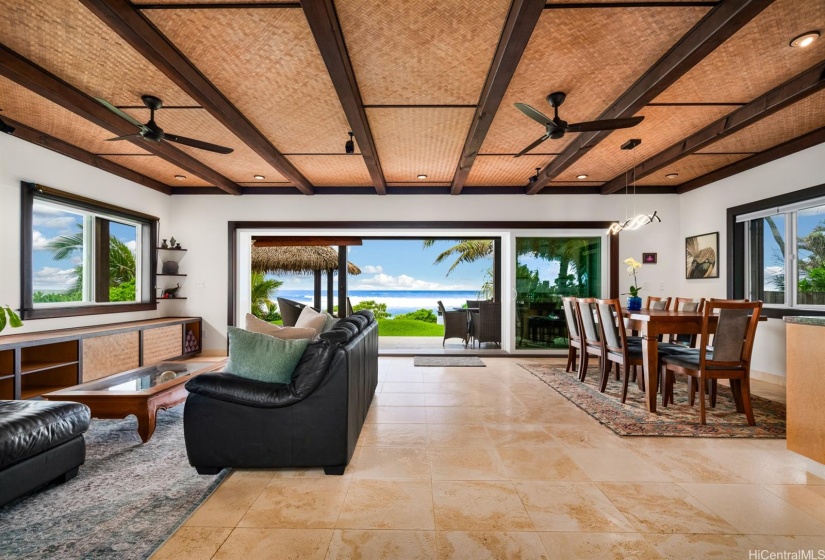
column 169, row 293
column 177, row 245
column 172, row 243
column 164, row 245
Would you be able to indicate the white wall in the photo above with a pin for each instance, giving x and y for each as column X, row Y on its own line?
column 705, row 210
column 23, row 161
column 200, row 222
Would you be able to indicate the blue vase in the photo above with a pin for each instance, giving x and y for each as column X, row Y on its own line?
column 634, row 303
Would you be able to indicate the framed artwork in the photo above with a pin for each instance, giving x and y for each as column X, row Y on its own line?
column 650, row 258
column 702, row 256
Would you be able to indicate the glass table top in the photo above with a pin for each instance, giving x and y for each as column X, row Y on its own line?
column 146, row 377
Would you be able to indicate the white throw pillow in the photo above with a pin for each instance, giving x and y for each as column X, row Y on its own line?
column 284, row 333
column 311, row 319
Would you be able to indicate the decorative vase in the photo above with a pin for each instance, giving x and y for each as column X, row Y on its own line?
column 170, row 267
column 164, row 245
column 634, row 303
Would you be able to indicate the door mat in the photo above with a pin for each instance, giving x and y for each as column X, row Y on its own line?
column 676, row 420
column 448, row 361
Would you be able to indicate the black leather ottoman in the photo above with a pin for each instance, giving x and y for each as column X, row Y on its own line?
column 40, row 442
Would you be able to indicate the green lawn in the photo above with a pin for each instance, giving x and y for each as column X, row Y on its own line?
column 408, row 327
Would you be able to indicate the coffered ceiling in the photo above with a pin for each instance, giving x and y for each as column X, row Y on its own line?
column 427, row 87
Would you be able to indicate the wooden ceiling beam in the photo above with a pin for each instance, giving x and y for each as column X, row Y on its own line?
column 127, row 21
column 62, row 147
column 718, row 25
column 43, row 83
column 795, row 89
column 323, row 21
column 304, row 241
column 792, row 146
column 518, row 28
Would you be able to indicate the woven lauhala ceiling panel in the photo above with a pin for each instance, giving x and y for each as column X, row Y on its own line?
column 690, row 167
column 422, row 51
column 756, row 59
column 71, row 42
column 662, row 127
column 269, row 67
column 24, row 106
column 213, row 1
column 240, row 165
column 159, row 169
column 413, row 141
column 791, row 122
column 490, row 171
column 333, row 170
column 593, row 55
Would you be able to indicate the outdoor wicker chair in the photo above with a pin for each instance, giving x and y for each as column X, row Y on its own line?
column 455, row 324
column 486, row 324
column 290, row 311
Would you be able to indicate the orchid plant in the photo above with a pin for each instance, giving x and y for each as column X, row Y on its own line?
column 632, row 266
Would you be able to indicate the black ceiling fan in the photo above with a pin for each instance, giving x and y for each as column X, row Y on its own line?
column 152, row 132
column 557, row 127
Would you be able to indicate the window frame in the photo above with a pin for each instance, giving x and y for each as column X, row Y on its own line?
column 738, row 257
column 146, row 268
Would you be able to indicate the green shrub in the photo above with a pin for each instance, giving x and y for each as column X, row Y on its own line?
column 425, row 315
column 378, row 309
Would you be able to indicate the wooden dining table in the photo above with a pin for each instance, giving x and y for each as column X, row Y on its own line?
column 651, row 323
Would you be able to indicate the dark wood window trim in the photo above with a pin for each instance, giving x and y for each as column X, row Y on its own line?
column 736, row 246
column 150, row 224
column 233, row 227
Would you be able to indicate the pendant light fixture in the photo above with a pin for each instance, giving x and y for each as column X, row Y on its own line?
column 535, row 177
column 349, row 147
column 638, row 220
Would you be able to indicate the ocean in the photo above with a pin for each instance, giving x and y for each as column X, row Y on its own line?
column 398, row 301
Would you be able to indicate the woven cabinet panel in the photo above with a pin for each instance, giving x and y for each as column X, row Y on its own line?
column 114, row 353
column 162, row 344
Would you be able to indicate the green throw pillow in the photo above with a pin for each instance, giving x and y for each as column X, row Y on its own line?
column 263, row 357
column 329, row 323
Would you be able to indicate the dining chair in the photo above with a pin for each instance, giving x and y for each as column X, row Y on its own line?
column 727, row 356
column 657, row 303
column 591, row 340
column 617, row 348
column 574, row 339
column 455, row 324
column 486, row 323
column 683, row 342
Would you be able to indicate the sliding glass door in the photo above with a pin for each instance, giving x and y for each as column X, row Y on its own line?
column 547, row 269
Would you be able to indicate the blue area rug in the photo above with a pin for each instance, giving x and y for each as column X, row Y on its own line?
column 125, row 502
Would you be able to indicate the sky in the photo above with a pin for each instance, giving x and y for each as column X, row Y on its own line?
column 807, row 220
column 403, row 265
column 48, row 223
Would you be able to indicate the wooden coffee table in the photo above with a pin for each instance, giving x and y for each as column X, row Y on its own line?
column 142, row 392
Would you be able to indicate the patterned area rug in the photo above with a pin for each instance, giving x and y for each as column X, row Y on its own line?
column 448, row 361
column 679, row 419
column 126, row 500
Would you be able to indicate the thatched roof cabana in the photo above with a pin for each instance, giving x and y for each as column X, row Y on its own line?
column 297, row 260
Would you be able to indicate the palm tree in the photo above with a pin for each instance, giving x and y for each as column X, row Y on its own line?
column 466, row 251
column 263, row 290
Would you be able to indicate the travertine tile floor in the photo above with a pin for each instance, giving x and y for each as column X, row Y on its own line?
column 490, row 463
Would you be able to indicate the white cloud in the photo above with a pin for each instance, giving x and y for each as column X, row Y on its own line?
column 39, row 241
column 63, row 223
column 771, row 271
column 132, row 245
column 370, row 269
column 54, row 279
column 383, row 281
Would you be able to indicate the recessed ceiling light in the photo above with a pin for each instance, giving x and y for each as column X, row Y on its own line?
column 259, row 177
column 582, row 176
column 422, row 176
column 805, row 39
column 180, row 177
column 671, row 175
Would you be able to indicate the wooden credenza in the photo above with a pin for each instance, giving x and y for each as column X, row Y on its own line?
column 37, row 363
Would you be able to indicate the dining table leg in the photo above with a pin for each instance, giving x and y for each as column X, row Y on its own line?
column 650, row 353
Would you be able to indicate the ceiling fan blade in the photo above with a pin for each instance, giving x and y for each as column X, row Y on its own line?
column 197, row 144
column 533, row 145
column 609, row 124
column 120, row 113
column 125, row 137
column 534, row 114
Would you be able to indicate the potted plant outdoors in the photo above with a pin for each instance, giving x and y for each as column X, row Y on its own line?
column 13, row 320
column 634, row 302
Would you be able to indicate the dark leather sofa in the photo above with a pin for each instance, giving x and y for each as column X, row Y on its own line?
column 314, row 421
column 40, row 442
